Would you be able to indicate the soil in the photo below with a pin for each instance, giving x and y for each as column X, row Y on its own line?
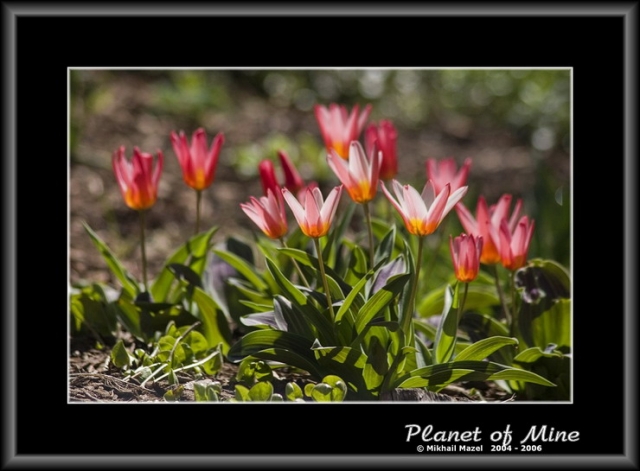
column 501, row 164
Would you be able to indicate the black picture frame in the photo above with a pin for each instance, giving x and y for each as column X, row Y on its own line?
column 41, row 41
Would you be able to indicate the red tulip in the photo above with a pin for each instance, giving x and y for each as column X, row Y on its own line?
column 514, row 244
column 465, row 253
column 198, row 164
column 137, row 179
column 487, row 224
column 386, row 136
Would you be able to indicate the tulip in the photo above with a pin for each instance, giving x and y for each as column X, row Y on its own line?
column 137, row 179
column 138, row 182
column 313, row 213
column 292, row 179
column 465, row 253
column 487, row 224
column 359, row 175
column 385, row 135
column 514, row 244
column 445, row 171
column 423, row 213
column 198, row 164
column 268, row 214
column 315, row 219
column 268, row 177
column 339, row 128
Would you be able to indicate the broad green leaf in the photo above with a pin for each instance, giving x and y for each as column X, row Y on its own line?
column 173, row 394
column 550, row 326
column 129, row 284
column 485, row 347
column 531, row 355
column 288, row 357
column 309, row 260
column 205, row 391
column 120, row 356
column 348, row 301
column 321, row 392
column 243, row 267
column 242, row 393
column 129, row 315
column 384, row 250
column 379, row 301
column 345, row 362
column 293, row 293
column 437, row 376
column 251, row 295
column 253, row 342
column 261, row 391
column 479, row 296
column 376, row 366
column 194, row 250
column 292, row 392
column 446, row 335
column 214, row 323
column 186, row 273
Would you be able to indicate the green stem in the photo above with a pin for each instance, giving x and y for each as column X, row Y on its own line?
column 406, row 322
column 367, row 215
column 324, row 278
column 198, row 200
column 514, row 309
column 503, row 301
column 142, row 249
column 462, row 301
column 295, row 264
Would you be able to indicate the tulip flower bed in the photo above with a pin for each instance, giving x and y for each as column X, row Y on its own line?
column 334, row 298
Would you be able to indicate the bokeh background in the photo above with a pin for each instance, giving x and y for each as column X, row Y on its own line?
column 515, row 125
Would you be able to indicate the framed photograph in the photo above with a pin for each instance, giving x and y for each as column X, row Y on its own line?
column 319, row 236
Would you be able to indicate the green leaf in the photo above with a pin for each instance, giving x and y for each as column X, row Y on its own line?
column 192, row 253
column 288, row 357
column 483, row 348
column 446, row 334
column 380, row 300
column 205, row 391
column 479, row 296
column 253, row 342
column 385, row 247
column 376, row 366
column 438, row 376
column 129, row 283
column 215, row 326
column 261, row 392
column 244, row 268
column 550, row 326
column 174, row 394
column 120, row 356
column 292, row 392
column 242, row 393
column 321, row 392
column 533, row 354
column 345, row 362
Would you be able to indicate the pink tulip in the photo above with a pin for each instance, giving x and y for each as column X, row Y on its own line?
column 198, row 164
column 359, row 174
column 423, row 213
column 445, row 171
column 487, row 224
column 386, row 136
column 465, row 253
column 137, row 179
column 268, row 214
column 313, row 213
column 339, row 128
column 514, row 244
